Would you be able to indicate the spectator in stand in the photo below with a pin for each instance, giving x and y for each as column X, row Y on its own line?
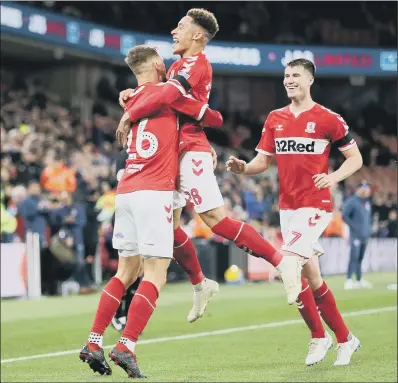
column 34, row 211
column 357, row 214
column 392, row 224
column 72, row 220
column 28, row 167
column 8, row 223
column 57, row 177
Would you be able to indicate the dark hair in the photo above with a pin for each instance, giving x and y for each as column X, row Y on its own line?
column 139, row 55
column 206, row 20
column 59, row 156
column 306, row 64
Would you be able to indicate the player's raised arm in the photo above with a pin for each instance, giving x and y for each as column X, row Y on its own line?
column 149, row 68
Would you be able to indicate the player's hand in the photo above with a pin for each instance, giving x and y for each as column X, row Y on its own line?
column 236, row 165
column 324, row 180
column 123, row 130
column 214, row 157
column 124, row 95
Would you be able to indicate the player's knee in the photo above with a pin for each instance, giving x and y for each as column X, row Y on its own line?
column 315, row 280
column 155, row 271
column 214, row 216
column 128, row 268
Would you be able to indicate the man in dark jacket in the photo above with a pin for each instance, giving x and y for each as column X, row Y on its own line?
column 357, row 214
column 33, row 209
column 73, row 219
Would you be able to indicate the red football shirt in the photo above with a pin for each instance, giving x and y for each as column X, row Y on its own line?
column 301, row 146
column 152, row 146
column 198, row 72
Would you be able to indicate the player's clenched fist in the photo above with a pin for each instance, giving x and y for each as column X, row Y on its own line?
column 124, row 95
column 236, row 165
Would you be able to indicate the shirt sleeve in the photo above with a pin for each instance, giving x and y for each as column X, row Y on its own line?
column 189, row 106
column 339, row 133
column 267, row 144
column 145, row 103
column 193, row 70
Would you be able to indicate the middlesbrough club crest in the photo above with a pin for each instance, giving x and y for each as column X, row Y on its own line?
column 310, row 127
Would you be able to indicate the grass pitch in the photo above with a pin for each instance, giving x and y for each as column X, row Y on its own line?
column 248, row 334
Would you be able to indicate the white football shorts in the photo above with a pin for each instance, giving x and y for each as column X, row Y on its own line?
column 144, row 223
column 198, row 183
column 301, row 230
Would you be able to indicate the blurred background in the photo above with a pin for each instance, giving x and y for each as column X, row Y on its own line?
column 62, row 70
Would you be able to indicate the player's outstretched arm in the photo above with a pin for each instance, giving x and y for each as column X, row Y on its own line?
column 352, row 163
column 258, row 164
column 149, row 103
column 198, row 110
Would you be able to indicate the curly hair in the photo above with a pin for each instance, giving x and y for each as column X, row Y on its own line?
column 206, row 20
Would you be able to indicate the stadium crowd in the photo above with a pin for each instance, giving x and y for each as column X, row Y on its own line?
column 362, row 24
column 58, row 176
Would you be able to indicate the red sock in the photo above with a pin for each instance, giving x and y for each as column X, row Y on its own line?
column 185, row 255
column 308, row 310
column 330, row 313
column 247, row 238
column 140, row 310
column 109, row 302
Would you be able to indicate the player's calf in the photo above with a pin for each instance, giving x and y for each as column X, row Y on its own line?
column 141, row 309
column 248, row 239
column 120, row 318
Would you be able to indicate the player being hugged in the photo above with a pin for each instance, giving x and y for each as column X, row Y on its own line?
column 198, row 183
column 143, row 228
column 299, row 136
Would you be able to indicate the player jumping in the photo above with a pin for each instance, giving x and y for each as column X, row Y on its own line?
column 119, row 320
column 143, row 206
column 198, row 183
column 299, row 136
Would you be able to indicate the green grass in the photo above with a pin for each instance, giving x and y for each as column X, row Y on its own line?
column 262, row 355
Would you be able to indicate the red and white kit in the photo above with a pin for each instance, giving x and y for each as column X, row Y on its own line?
column 301, row 146
column 197, row 181
column 144, row 213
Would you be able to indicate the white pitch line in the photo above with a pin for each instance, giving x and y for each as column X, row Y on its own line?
column 204, row 334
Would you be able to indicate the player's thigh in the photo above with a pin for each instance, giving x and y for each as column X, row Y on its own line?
column 285, row 216
column 304, row 229
column 179, row 201
column 198, row 182
column 177, row 217
column 155, row 233
column 125, row 227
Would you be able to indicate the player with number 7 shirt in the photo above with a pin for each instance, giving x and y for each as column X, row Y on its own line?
column 196, row 175
column 143, row 230
column 299, row 136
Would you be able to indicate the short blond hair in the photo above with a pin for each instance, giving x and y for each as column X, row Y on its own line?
column 139, row 55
